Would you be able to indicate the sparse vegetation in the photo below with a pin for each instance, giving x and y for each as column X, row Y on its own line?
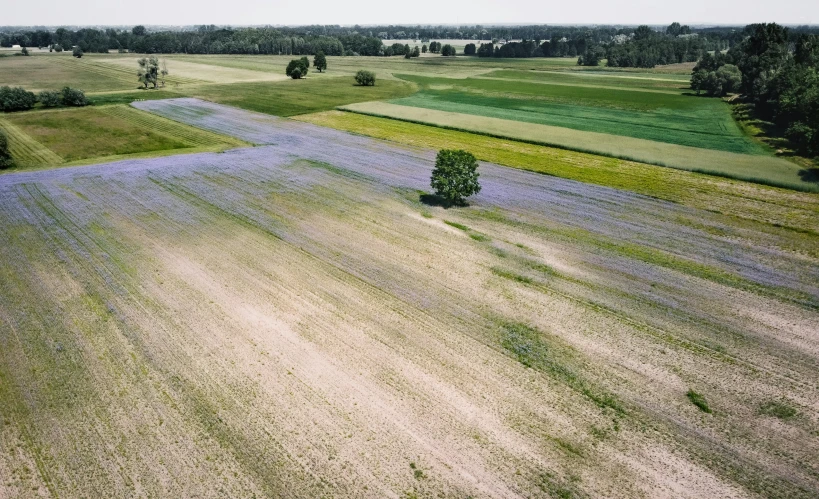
column 698, row 400
column 777, row 409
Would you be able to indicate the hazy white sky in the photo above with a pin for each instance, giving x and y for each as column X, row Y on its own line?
column 187, row 12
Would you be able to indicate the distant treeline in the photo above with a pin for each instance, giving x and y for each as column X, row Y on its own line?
column 642, row 46
column 775, row 69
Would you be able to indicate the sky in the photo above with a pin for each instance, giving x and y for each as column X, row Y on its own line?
column 349, row 12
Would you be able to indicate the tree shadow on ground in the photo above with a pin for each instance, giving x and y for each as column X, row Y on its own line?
column 809, row 175
column 440, row 201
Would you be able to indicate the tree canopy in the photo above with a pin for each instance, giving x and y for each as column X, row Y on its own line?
column 148, row 73
column 365, row 78
column 320, row 61
column 455, row 176
column 303, row 65
column 5, row 154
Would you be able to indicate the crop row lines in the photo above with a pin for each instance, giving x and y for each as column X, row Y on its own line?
column 25, row 150
column 193, row 136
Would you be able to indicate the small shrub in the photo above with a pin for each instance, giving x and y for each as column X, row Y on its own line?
column 50, row 98
column 24, row 51
column 74, row 97
column 365, row 78
column 5, row 155
column 77, row 52
column 16, row 99
column 58, row 48
column 777, row 410
column 698, row 400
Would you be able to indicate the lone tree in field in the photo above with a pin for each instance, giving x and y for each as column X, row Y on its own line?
column 455, row 176
column 77, row 52
column 5, row 155
column 303, row 65
column 365, row 78
column 320, row 61
column 148, row 71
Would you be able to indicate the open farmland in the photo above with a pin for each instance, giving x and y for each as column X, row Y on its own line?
column 290, row 320
column 756, row 168
column 48, row 138
column 631, row 112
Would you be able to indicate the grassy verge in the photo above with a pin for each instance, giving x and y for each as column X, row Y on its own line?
column 625, row 111
column 51, row 138
column 757, row 203
column 292, row 97
column 758, row 169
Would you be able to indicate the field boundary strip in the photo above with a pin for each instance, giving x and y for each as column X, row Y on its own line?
column 26, row 151
column 195, row 137
column 753, row 168
column 575, row 85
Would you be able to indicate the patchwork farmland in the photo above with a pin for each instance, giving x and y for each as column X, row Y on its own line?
column 239, row 285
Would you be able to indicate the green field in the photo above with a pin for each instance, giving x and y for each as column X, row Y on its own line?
column 293, row 97
column 68, row 136
column 755, row 168
column 763, row 206
column 663, row 117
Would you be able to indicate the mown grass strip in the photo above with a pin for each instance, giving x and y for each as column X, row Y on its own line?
column 758, row 169
column 762, row 207
column 26, row 151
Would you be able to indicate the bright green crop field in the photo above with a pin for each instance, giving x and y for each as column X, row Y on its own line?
column 662, row 117
column 292, row 97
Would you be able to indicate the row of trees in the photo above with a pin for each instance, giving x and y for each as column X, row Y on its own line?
column 20, row 99
column 775, row 70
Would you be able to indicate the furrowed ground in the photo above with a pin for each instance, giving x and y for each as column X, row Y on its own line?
column 291, row 320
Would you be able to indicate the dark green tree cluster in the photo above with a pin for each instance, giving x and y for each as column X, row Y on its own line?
column 67, row 97
column 592, row 56
column 448, row 50
column 365, row 78
column 455, row 175
column 715, row 77
column 783, row 83
column 486, row 50
column 470, row 49
column 646, row 48
column 5, row 154
column 16, row 99
column 776, row 70
column 435, row 47
column 297, row 68
column 320, row 61
column 73, row 97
